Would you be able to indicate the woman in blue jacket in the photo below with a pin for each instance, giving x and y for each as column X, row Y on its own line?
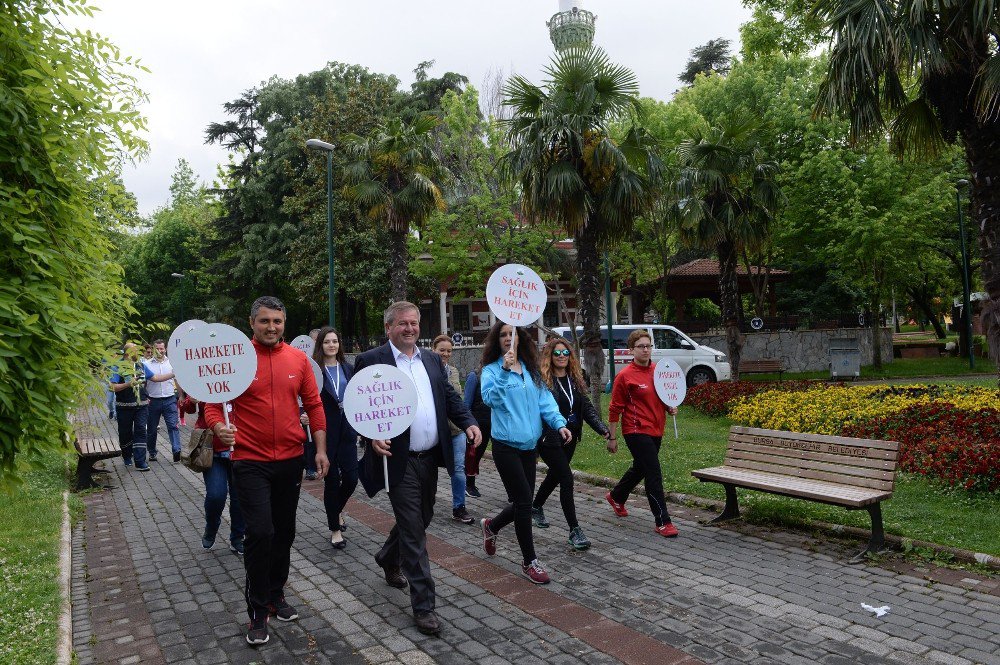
column 341, row 440
column 512, row 387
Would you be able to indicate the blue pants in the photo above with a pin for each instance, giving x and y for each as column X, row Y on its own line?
column 219, row 485
column 110, row 399
column 132, row 433
column 167, row 407
column 458, row 443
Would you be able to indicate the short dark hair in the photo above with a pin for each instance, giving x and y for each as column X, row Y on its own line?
column 158, row 341
column 269, row 302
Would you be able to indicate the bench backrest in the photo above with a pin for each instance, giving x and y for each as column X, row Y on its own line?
column 760, row 364
column 865, row 463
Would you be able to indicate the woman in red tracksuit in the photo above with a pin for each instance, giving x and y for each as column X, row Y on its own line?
column 218, row 485
column 634, row 402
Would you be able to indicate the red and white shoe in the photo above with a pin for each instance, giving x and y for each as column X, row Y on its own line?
column 619, row 508
column 534, row 572
column 489, row 538
column 668, row 530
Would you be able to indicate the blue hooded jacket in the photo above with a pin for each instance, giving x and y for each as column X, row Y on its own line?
column 519, row 406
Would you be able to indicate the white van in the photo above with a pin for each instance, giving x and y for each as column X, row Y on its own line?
column 701, row 364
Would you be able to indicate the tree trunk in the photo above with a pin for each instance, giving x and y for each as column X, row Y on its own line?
column 729, row 291
column 922, row 299
column 589, row 310
column 399, row 264
column 873, row 305
column 982, row 150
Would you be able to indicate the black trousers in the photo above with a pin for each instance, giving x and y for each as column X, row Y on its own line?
column 269, row 497
column 645, row 451
column 517, row 471
column 558, row 458
column 341, row 481
column 412, row 502
column 132, row 432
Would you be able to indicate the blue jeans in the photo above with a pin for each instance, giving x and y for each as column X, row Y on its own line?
column 166, row 406
column 219, row 485
column 110, row 399
column 458, row 443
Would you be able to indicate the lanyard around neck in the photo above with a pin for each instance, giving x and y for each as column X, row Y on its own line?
column 333, row 380
column 569, row 395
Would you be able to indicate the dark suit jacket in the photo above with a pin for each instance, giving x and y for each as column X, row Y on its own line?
column 337, row 428
column 448, row 405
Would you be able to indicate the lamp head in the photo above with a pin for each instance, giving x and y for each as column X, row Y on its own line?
column 177, row 275
column 962, row 184
column 316, row 144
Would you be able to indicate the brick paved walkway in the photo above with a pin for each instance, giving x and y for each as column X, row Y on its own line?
column 145, row 591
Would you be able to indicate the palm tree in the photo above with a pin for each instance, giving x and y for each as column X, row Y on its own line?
column 393, row 179
column 929, row 72
column 726, row 197
column 573, row 172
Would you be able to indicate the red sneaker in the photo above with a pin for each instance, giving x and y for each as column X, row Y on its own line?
column 619, row 508
column 489, row 538
column 534, row 572
column 668, row 530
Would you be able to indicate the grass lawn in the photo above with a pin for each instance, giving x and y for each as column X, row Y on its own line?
column 919, row 509
column 30, row 524
column 903, row 368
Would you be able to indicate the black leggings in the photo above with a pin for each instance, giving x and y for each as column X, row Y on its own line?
column 645, row 451
column 517, row 471
column 558, row 458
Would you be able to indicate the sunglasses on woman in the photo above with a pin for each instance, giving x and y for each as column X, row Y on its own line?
column 561, row 352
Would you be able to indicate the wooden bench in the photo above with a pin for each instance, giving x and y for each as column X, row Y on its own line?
column 94, row 439
column 764, row 366
column 857, row 474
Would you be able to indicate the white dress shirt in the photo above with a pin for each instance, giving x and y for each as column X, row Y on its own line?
column 161, row 388
column 423, row 431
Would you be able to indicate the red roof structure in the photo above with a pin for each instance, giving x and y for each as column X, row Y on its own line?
column 710, row 268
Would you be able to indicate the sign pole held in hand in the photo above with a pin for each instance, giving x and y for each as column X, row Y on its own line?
column 380, row 403
column 318, row 375
column 671, row 385
column 215, row 363
column 516, row 295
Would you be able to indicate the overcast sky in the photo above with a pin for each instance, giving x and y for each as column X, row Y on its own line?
column 202, row 54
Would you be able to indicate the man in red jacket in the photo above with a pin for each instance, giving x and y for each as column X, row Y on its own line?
column 266, row 440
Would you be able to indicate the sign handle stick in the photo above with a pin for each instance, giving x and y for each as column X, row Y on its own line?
column 385, row 472
column 309, row 434
column 225, row 415
column 676, row 435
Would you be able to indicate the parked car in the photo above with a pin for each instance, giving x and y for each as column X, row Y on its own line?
column 701, row 364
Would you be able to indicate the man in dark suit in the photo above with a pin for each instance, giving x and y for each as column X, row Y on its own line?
column 414, row 458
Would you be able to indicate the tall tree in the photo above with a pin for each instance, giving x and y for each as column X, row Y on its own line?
column 930, row 73
column 68, row 120
column 394, row 179
column 712, row 56
column 727, row 197
column 574, row 172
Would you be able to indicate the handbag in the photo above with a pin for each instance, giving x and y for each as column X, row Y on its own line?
column 197, row 453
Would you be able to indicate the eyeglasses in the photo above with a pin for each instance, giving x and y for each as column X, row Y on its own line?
column 643, row 347
column 561, row 352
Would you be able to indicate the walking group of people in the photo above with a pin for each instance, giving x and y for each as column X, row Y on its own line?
column 528, row 402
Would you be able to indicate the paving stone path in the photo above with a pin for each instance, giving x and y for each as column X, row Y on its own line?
column 145, row 591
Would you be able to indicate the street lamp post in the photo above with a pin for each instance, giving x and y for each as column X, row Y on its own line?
column 316, row 144
column 966, row 307
column 611, row 333
column 180, row 276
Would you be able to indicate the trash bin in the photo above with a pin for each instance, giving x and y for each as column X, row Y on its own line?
column 845, row 358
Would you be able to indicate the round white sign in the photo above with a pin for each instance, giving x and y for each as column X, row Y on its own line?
column 215, row 363
column 457, row 338
column 757, row 323
column 671, row 385
column 516, row 294
column 180, row 331
column 317, row 372
column 305, row 344
column 380, row 402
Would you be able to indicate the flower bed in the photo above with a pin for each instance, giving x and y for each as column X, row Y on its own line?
column 944, row 441
column 715, row 399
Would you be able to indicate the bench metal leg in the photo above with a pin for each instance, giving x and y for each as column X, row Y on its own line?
column 85, row 474
column 732, row 509
column 877, row 541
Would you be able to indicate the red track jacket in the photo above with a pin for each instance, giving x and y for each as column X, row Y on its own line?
column 266, row 416
column 634, row 402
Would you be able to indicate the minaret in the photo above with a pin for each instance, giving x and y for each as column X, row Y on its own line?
column 572, row 26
